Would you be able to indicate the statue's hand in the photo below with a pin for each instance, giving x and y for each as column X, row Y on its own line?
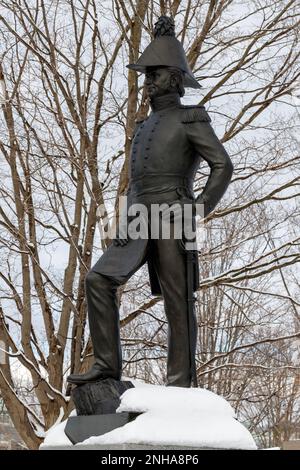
column 186, row 200
column 120, row 240
column 122, row 237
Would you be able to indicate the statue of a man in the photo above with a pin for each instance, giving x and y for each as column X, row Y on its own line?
column 166, row 151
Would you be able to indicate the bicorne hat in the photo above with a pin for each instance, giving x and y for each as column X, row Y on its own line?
column 166, row 51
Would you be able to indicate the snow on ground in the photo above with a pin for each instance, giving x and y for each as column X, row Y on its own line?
column 178, row 416
column 55, row 436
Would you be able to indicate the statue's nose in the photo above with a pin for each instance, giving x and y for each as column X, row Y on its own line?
column 148, row 80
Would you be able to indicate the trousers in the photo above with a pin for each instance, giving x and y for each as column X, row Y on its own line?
column 169, row 261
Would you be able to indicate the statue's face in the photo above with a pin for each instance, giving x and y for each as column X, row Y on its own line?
column 157, row 81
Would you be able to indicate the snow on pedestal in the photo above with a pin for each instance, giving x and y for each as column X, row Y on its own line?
column 172, row 416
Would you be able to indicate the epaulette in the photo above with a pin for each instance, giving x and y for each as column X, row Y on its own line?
column 193, row 113
column 139, row 120
column 137, row 123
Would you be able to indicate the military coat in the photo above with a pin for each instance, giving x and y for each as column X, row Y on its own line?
column 167, row 149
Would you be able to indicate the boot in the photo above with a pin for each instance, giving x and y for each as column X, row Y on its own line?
column 94, row 374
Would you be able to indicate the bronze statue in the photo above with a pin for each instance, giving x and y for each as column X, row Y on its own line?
column 166, row 151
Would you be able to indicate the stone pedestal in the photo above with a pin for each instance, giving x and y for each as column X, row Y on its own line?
column 126, row 447
column 101, row 397
column 96, row 404
column 80, row 428
column 150, row 417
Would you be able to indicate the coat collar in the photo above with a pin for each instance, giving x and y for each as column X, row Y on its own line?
column 170, row 100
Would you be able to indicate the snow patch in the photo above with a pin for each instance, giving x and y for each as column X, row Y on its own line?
column 178, row 416
column 56, row 436
column 173, row 416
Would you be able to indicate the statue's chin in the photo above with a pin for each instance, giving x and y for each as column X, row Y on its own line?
column 156, row 93
column 151, row 93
